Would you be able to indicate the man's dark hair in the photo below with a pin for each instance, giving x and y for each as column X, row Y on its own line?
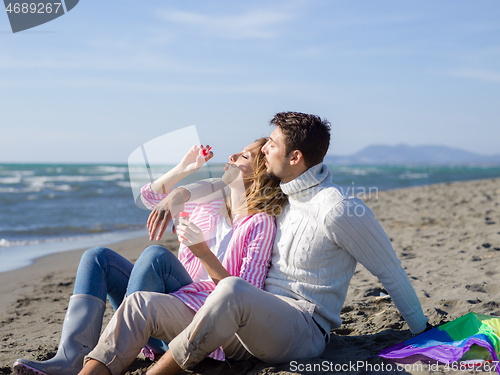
column 307, row 133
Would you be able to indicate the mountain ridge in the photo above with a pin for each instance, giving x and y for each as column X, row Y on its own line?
column 420, row 155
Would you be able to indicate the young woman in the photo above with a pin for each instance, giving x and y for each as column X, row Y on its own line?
column 221, row 238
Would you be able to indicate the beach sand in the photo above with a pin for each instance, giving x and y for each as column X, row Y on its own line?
column 447, row 237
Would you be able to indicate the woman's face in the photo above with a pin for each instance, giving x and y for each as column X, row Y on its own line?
column 242, row 162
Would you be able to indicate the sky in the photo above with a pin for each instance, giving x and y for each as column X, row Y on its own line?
column 108, row 76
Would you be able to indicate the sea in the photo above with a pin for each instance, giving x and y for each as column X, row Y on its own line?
column 49, row 208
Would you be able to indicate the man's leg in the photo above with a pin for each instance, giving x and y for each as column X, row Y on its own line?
column 94, row 367
column 166, row 365
column 157, row 270
column 141, row 315
column 274, row 329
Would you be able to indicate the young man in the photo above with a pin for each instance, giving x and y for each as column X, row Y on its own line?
column 321, row 235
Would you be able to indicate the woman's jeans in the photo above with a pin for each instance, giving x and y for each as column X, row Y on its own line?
column 103, row 272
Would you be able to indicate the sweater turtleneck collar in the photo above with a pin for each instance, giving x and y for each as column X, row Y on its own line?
column 312, row 177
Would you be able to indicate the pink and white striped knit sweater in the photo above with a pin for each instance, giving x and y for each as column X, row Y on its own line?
column 248, row 254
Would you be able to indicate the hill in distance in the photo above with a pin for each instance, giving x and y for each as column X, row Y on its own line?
column 416, row 155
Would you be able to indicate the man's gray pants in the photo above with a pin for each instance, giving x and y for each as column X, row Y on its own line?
column 244, row 320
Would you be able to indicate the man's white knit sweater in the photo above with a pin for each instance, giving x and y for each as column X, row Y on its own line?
column 321, row 235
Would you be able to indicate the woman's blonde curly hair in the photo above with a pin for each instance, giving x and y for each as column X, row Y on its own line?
column 264, row 194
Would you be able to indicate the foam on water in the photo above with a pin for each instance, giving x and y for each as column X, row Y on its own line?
column 14, row 257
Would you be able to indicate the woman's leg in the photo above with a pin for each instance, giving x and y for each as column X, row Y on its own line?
column 157, row 270
column 101, row 272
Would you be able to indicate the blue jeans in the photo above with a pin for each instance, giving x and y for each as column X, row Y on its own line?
column 103, row 272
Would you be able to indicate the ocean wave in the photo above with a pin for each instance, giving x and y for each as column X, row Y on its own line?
column 127, row 184
column 413, row 176
column 39, row 182
column 11, row 180
column 46, row 235
column 36, row 189
column 23, row 255
column 356, row 171
column 112, row 169
column 144, row 176
column 33, row 189
column 17, row 173
column 53, row 169
column 64, row 187
column 9, row 190
column 6, row 243
column 69, row 178
column 103, row 169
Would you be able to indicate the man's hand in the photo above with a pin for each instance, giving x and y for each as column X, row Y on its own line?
column 165, row 211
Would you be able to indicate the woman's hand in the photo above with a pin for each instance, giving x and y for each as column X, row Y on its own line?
column 190, row 163
column 195, row 158
column 192, row 236
column 164, row 211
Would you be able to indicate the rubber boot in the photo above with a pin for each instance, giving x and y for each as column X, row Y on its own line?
column 80, row 333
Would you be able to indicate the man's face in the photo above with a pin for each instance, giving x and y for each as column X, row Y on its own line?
column 276, row 161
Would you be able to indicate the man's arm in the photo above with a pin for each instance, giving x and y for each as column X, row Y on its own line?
column 352, row 225
column 199, row 192
column 208, row 190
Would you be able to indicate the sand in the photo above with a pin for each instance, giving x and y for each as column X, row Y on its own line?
column 446, row 235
